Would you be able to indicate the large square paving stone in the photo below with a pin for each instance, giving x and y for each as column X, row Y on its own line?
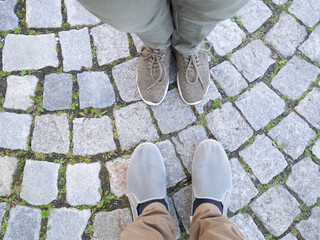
column 173, row 213
column 311, row 47
column 78, row 15
column 7, row 168
column 310, row 228
column 8, row 19
column 289, row 236
column 306, row 11
column 212, row 94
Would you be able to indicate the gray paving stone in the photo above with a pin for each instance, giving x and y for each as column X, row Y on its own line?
column 316, row 149
column 137, row 41
column 310, row 228
column 289, row 236
column 92, row 136
column 51, row 134
column 19, row 90
column 253, row 60
column 24, row 223
column 95, row 90
column 67, row 223
column 247, row 227
column 229, row 78
column 8, row 19
column 76, row 49
column 43, row 14
column 110, row 225
column 293, row 133
column 307, row 11
column 17, row 48
column 111, row 44
column 14, row 130
column 7, row 168
column 39, row 185
column 173, row 114
column 225, row 37
column 279, row 2
column 295, row 77
column 311, row 47
column 277, row 208
column 186, row 143
column 243, row 189
column 286, row 35
column 227, row 125
column 83, row 184
column 172, row 212
column 2, row 210
column 137, row 118
column 57, row 94
column 78, row 15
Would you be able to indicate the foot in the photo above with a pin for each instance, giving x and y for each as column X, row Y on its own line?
column 153, row 74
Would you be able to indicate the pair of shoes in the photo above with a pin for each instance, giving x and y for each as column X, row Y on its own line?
column 211, row 173
column 153, row 75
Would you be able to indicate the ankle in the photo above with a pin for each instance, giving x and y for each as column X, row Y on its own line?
column 200, row 201
column 142, row 206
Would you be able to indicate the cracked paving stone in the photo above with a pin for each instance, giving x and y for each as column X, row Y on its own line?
column 227, row 125
column 279, row 2
column 14, row 130
column 253, row 60
column 307, row 12
column 83, row 184
column 110, row 225
column 8, row 19
column 172, row 212
column 316, row 149
column 7, row 168
column 19, row 90
column 276, row 208
column 293, row 134
column 78, row 15
column 286, row 35
column 289, row 236
column 24, row 223
column 17, row 48
column 51, row 134
column 212, row 94
column 295, row 77
column 3, row 210
column 311, row 47
column 310, row 228
column 67, row 223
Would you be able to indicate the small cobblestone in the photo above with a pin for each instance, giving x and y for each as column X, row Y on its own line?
column 2, row 210
column 310, row 228
column 316, row 149
column 212, row 94
column 78, row 15
column 279, row 2
column 172, row 212
column 289, row 236
column 311, row 47
column 308, row 12
column 7, row 168
column 8, row 19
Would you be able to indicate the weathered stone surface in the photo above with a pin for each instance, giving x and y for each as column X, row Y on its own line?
column 95, row 90
column 212, row 94
column 111, row 44
column 311, row 47
column 310, row 228
column 67, row 223
column 172, row 212
column 7, row 168
column 78, row 15
column 57, row 94
column 289, row 236
column 286, row 35
column 2, row 210
column 307, row 11
column 40, row 180
column 76, row 49
column 295, row 77
column 316, row 149
column 137, row 41
column 253, row 60
column 51, row 134
column 137, row 118
column 227, row 125
column 293, row 133
column 14, row 130
column 279, row 2
column 110, row 225
column 29, row 52
column 8, row 19
column 83, row 184
column 24, row 223
column 276, row 208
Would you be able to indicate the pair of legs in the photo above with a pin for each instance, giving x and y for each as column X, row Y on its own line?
column 211, row 190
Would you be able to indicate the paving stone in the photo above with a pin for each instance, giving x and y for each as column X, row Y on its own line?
column 19, row 90
column 2, row 210
column 254, row 14
column 316, row 149
column 253, row 60
column 43, row 14
column 110, row 225
column 76, row 49
column 137, row 41
column 92, row 136
column 111, row 44
column 8, row 19
column 78, row 15
column 172, row 212
column 227, row 125
column 229, row 78
column 186, row 143
column 51, row 134
column 293, row 133
column 83, row 184
column 7, row 168
column 225, row 37
column 311, row 47
column 57, row 94
column 17, row 48
column 310, row 228
column 137, row 118
column 279, row 2
column 24, row 223
column 247, row 227
column 14, row 130
column 289, row 236
column 243, row 189
column 295, row 77
column 277, row 208
column 212, row 94
column 286, row 35
column 95, row 90
column 307, row 11
column 67, row 223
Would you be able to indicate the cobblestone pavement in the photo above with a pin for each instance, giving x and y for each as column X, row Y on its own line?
column 71, row 115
